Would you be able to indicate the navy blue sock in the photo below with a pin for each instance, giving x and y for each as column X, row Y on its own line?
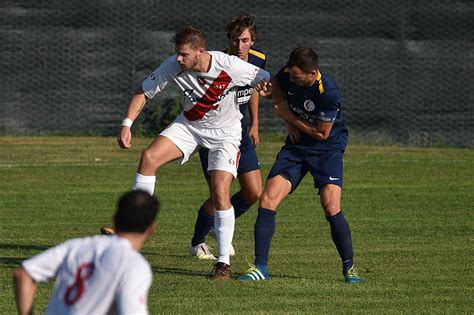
column 263, row 234
column 239, row 203
column 204, row 224
column 341, row 236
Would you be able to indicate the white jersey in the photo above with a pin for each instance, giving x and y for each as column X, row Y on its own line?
column 210, row 98
column 95, row 275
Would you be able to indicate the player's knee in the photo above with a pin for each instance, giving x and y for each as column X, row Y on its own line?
column 149, row 158
column 221, row 200
column 252, row 196
column 331, row 209
column 268, row 201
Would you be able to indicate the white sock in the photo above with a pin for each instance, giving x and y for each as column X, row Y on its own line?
column 146, row 183
column 224, row 223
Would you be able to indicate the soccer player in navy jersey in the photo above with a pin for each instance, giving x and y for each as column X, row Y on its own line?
column 241, row 34
column 310, row 105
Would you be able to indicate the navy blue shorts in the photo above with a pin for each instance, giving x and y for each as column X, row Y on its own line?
column 294, row 163
column 248, row 155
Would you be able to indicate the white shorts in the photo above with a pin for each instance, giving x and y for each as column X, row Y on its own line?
column 223, row 143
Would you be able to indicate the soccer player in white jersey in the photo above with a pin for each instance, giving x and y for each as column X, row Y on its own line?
column 96, row 275
column 210, row 119
column 241, row 35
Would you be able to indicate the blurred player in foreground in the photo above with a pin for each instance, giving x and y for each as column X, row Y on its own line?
column 96, row 275
column 310, row 105
column 241, row 34
column 210, row 119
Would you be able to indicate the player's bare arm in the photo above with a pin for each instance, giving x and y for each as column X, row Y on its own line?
column 280, row 104
column 253, row 111
column 25, row 289
column 136, row 105
column 293, row 132
column 319, row 132
column 295, row 125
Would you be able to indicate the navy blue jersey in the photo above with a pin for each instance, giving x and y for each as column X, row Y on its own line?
column 320, row 102
column 257, row 58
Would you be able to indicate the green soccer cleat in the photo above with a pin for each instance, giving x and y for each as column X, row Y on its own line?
column 255, row 273
column 351, row 276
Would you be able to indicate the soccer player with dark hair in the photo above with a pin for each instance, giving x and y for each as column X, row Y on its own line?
column 310, row 105
column 210, row 119
column 96, row 275
column 241, row 34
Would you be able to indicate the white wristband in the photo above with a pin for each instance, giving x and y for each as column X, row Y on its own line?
column 127, row 122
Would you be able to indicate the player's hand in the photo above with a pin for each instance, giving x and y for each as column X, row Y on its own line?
column 253, row 133
column 293, row 133
column 264, row 88
column 125, row 138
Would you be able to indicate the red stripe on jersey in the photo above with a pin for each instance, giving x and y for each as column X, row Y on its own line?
column 238, row 159
column 208, row 100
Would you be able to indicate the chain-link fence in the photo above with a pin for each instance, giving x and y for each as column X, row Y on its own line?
column 405, row 68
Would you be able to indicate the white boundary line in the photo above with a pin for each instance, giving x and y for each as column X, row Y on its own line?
column 16, row 165
column 64, row 164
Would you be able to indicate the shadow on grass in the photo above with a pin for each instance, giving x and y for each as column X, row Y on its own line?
column 160, row 254
column 16, row 261
column 25, row 247
column 11, row 261
column 194, row 273
column 178, row 271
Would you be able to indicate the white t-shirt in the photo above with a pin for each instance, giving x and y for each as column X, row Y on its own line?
column 210, row 98
column 94, row 275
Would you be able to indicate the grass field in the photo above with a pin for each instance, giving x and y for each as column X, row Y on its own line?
column 410, row 210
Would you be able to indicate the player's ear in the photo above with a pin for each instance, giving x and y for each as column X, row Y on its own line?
column 151, row 228
column 200, row 51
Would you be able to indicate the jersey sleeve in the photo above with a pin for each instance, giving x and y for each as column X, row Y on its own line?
column 132, row 293
column 159, row 79
column 244, row 73
column 282, row 79
column 45, row 265
column 263, row 63
column 330, row 106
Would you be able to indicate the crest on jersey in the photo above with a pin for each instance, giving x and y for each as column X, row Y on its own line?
column 309, row 105
column 201, row 81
